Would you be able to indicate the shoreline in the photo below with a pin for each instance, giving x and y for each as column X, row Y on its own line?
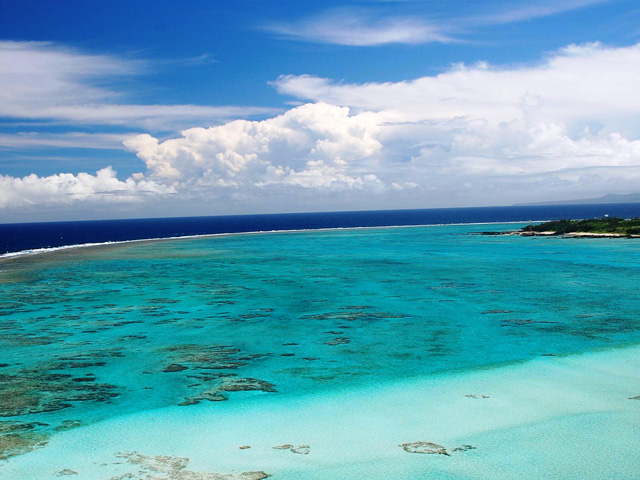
column 39, row 251
column 561, row 235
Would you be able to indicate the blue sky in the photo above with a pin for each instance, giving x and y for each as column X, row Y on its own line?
column 127, row 109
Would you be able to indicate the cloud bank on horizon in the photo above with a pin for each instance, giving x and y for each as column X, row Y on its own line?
column 566, row 125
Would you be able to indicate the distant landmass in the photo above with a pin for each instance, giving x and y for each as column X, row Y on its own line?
column 608, row 198
column 589, row 228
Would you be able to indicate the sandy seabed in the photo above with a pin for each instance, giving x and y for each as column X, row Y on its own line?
column 573, row 417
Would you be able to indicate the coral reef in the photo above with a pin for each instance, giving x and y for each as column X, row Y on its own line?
column 17, row 438
column 299, row 449
column 164, row 467
column 433, row 448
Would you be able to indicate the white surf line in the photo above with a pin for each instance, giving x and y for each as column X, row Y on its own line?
column 37, row 251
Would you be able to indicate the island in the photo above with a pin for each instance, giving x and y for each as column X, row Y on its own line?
column 613, row 227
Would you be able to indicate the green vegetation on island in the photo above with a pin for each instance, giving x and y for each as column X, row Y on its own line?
column 605, row 225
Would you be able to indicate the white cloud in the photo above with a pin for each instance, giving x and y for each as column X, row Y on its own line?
column 151, row 117
column 566, row 127
column 519, row 12
column 473, row 125
column 29, row 140
column 316, row 174
column 577, row 111
column 65, row 188
column 48, row 82
column 315, row 145
column 374, row 27
column 530, row 148
column 360, row 28
column 579, row 82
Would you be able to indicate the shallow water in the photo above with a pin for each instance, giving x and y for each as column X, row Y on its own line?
column 221, row 324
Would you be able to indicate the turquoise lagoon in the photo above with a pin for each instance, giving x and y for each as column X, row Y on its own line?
column 351, row 350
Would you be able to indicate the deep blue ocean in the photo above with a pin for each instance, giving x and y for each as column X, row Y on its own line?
column 28, row 236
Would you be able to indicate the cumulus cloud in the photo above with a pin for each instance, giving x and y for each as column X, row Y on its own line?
column 312, row 146
column 566, row 127
column 486, row 133
column 579, row 108
column 44, row 81
column 65, row 188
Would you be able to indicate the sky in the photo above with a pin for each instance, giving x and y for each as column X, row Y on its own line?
column 156, row 108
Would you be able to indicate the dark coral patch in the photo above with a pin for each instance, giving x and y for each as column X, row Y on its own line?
column 17, row 438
